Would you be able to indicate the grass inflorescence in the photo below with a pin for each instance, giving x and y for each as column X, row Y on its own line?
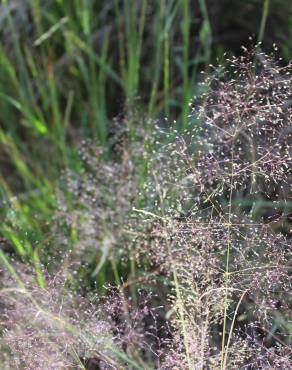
column 145, row 193
column 197, row 248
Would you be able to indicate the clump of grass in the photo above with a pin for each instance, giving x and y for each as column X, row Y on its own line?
column 94, row 204
column 206, row 229
column 216, row 216
column 56, row 328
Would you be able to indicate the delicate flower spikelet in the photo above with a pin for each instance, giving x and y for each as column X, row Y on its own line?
column 215, row 220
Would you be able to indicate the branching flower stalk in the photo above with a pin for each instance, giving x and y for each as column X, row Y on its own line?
column 226, row 274
column 180, row 303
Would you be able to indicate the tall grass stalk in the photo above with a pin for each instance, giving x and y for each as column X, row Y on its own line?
column 265, row 13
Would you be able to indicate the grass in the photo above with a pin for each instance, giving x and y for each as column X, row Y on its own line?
column 56, row 84
column 67, row 69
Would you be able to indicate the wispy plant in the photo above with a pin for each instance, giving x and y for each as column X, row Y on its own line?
column 55, row 328
column 203, row 224
column 201, row 217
